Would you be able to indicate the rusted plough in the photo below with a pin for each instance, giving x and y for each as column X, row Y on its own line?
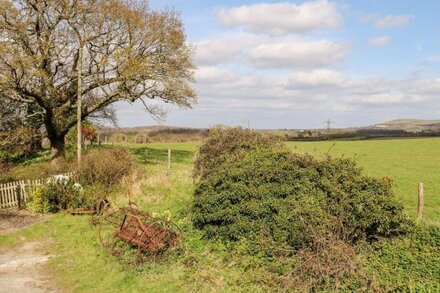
column 149, row 235
column 100, row 207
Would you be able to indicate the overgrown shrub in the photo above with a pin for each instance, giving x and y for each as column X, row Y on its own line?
column 58, row 193
column 105, row 166
column 274, row 204
column 226, row 143
column 286, row 199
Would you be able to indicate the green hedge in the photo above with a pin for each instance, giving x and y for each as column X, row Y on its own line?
column 267, row 193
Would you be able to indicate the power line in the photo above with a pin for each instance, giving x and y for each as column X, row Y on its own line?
column 329, row 123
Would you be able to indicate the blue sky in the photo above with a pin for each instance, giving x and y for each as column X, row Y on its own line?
column 293, row 64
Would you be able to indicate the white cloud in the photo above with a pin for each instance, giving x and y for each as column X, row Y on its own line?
column 298, row 54
column 388, row 21
column 424, row 87
column 377, row 99
column 371, row 86
column 223, row 50
column 316, row 80
column 209, row 75
column 282, row 18
column 379, row 41
column 393, row 21
column 311, row 89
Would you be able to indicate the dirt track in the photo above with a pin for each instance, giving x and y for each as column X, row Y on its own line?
column 22, row 268
column 13, row 219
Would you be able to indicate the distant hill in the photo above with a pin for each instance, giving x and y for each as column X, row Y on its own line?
column 412, row 125
column 390, row 129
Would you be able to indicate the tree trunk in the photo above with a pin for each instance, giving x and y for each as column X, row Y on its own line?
column 57, row 153
column 57, row 147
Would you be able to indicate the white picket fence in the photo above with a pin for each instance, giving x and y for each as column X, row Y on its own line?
column 15, row 194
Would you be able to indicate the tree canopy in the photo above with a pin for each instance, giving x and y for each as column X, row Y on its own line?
column 129, row 53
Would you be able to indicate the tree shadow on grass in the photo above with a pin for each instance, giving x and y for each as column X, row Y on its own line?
column 152, row 156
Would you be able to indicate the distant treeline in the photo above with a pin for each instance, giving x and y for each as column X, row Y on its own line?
column 361, row 134
column 152, row 134
column 179, row 134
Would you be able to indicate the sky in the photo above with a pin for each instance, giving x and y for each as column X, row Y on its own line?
column 295, row 64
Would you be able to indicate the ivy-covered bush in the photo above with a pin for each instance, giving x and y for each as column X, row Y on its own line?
column 280, row 198
column 225, row 144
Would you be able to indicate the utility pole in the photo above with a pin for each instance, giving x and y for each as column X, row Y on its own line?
column 79, row 104
column 329, row 123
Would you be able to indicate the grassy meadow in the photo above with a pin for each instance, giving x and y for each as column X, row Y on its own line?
column 406, row 161
column 81, row 265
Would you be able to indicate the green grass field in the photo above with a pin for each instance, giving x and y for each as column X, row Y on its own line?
column 82, row 265
column 406, row 161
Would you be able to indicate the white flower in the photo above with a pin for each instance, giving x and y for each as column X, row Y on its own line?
column 77, row 186
column 58, row 179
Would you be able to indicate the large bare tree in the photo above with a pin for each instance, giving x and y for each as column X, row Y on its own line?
column 19, row 129
column 121, row 50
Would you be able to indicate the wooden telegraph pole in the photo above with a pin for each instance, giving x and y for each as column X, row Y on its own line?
column 79, row 104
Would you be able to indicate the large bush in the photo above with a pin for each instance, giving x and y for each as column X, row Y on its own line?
column 228, row 143
column 105, row 166
column 280, row 198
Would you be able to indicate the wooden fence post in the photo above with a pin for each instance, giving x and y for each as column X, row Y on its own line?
column 420, row 203
column 18, row 194
column 169, row 159
column 29, row 189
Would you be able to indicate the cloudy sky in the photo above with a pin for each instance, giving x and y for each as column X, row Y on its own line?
column 293, row 64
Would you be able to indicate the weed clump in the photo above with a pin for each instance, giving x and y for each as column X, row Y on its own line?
column 105, row 167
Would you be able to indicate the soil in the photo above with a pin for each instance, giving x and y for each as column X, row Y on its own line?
column 13, row 219
column 23, row 268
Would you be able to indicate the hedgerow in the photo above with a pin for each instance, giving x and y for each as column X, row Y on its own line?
column 289, row 198
column 225, row 144
column 270, row 201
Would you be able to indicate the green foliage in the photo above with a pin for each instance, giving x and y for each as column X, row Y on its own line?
column 242, row 266
column 287, row 199
column 59, row 193
column 406, row 161
column 405, row 264
column 71, row 137
column 38, row 202
column 105, row 166
column 225, row 143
